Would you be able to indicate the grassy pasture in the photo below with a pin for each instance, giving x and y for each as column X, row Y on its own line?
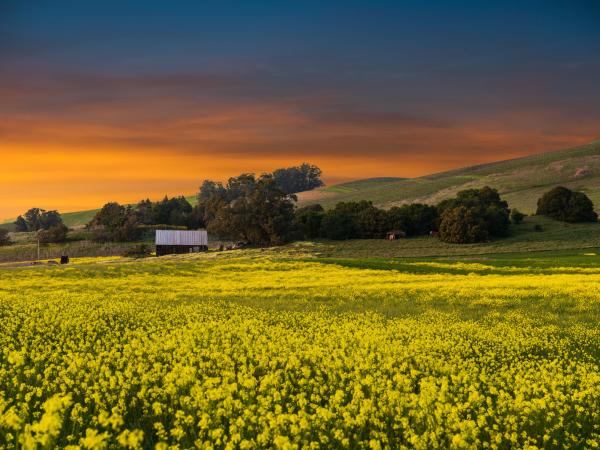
column 520, row 181
column 523, row 238
column 285, row 349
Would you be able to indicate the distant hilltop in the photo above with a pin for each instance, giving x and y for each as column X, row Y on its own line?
column 520, row 181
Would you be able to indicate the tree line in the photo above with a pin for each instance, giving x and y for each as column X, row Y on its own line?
column 261, row 210
column 257, row 211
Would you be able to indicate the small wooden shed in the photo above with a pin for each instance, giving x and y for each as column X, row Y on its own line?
column 395, row 234
column 180, row 241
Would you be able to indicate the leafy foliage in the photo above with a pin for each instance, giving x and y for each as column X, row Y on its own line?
column 308, row 221
column 54, row 234
column 21, row 224
column 351, row 220
column 362, row 220
column 115, row 223
column 474, row 215
column 566, row 205
column 516, row 216
column 415, row 219
column 175, row 211
column 4, row 237
column 339, row 225
column 462, row 225
column 254, row 210
column 38, row 219
column 304, row 177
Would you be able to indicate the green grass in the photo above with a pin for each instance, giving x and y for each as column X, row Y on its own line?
column 555, row 236
column 521, row 181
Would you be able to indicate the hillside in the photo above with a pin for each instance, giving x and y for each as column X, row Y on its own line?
column 521, row 181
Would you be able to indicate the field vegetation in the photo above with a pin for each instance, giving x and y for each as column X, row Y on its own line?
column 519, row 181
column 281, row 348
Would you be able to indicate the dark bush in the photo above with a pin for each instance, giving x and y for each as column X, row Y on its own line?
column 308, row 221
column 259, row 212
column 115, row 223
column 516, row 216
column 474, row 215
column 566, row 205
column 38, row 219
column 21, row 224
column 415, row 219
column 55, row 234
column 338, row 225
column 462, row 225
column 357, row 220
column 4, row 238
column 298, row 179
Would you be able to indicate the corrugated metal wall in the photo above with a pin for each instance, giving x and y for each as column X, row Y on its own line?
column 181, row 237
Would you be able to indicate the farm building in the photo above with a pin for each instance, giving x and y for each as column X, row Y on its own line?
column 395, row 234
column 180, row 241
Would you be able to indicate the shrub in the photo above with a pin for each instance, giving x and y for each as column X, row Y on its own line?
column 354, row 220
column 308, row 221
column 474, row 215
column 21, row 224
column 566, row 205
column 253, row 210
column 54, row 234
column 298, row 179
column 516, row 216
column 4, row 238
column 338, row 225
column 462, row 225
column 38, row 219
column 538, row 228
column 115, row 223
column 415, row 219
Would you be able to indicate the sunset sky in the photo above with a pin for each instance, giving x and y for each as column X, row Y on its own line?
column 120, row 100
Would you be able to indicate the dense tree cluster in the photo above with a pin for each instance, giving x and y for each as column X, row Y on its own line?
column 415, row 219
column 304, row 177
column 516, row 216
column 362, row 220
column 474, row 215
column 115, row 222
column 290, row 180
column 566, row 205
column 258, row 210
column 176, row 211
column 36, row 219
column 4, row 237
column 251, row 209
column 48, row 224
column 57, row 233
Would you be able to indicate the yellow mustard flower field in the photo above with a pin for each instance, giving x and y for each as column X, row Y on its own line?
column 262, row 351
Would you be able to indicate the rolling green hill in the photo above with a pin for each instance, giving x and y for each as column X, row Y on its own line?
column 521, row 181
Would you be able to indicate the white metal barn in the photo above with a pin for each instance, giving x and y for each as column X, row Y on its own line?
column 180, row 241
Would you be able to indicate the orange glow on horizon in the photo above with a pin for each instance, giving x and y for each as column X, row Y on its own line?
column 72, row 177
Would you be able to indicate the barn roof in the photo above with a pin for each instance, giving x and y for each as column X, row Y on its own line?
column 181, row 237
